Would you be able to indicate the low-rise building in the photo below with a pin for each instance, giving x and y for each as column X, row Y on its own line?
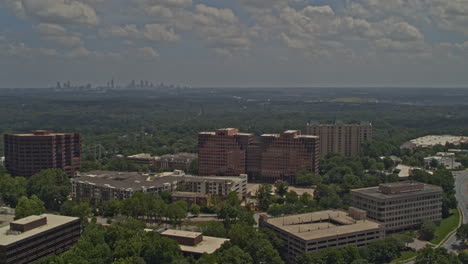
column 32, row 238
column 217, row 185
column 446, row 159
column 143, row 159
column 400, row 206
column 433, row 140
column 180, row 161
column 315, row 231
column 191, row 198
column 101, row 186
column 194, row 243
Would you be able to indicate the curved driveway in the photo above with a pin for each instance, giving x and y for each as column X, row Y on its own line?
column 461, row 188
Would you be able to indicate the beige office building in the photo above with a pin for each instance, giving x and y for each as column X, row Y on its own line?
column 400, row 206
column 309, row 232
column 345, row 139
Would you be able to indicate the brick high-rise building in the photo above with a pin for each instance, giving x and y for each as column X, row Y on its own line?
column 283, row 155
column 223, row 152
column 28, row 154
column 345, row 139
column 275, row 157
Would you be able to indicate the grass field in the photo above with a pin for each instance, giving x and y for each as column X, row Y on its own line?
column 446, row 226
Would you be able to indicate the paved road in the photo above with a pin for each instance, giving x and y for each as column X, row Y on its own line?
column 461, row 188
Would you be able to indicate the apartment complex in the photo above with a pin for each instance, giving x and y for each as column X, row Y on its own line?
column 34, row 237
column 101, row 186
column 315, row 231
column 275, row 157
column 28, row 154
column 345, row 139
column 400, row 206
column 223, row 152
column 179, row 161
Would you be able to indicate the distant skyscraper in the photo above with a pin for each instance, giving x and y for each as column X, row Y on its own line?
column 275, row 157
column 345, row 139
column 28, row 154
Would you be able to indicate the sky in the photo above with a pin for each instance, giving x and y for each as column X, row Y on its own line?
column 235, row 43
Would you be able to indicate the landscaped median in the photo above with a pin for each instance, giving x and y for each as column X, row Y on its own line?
column 447, row 226
column 444, row 231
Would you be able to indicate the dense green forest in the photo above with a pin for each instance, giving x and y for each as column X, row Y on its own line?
column 159, row 122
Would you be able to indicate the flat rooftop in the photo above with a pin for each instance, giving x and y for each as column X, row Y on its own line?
column 53, row 221
column 28, row 219
column 131, row 181
column 134, row 181
column 377, row 193
column 142, row 156
column 433, row 140
column 317, row 225
column 208, row 245
column 181, row 233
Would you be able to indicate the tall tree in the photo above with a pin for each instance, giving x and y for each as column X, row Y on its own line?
column 264, row 196
column 29, row 206
column 427, row 230
column 281, row 188
column 52, row 186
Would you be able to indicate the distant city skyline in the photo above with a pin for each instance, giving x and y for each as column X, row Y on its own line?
column 243, row 43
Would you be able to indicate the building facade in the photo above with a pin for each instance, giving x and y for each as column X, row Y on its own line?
column 28, row 154
column 345, row 139
column 32, row 238
column 102, row 186
column 275, row 157
column 223, row 152
column 400, row 206
column 179, row 161
column 283, row 156
column 320, row 230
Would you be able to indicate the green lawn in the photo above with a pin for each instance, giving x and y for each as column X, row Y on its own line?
column 446, row 226
column 405, row 255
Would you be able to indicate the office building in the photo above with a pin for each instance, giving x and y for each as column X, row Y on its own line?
column 194, row 243
column 283, row 156
column 274, row 157
column 34, row 237
column 101, row 186
column 345, row 139
column 400, row 206
column 315, row 231
column 223, row 152
column 28, row 154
